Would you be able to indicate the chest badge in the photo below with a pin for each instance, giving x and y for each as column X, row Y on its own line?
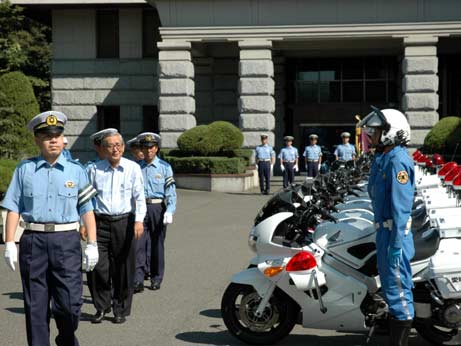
column 70, row 184
column 158, row 176
column 402, row 177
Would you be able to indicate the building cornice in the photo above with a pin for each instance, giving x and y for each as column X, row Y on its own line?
column 302, row 32
column 73, row 2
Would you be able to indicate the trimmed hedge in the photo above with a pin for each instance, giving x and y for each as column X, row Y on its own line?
column 210, row 165
column 6, row 173
column 244, row 154
column 444, row 136
column 210, row 140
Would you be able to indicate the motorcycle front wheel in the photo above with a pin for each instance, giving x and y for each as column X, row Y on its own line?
column 438, row 335
column 238, row 308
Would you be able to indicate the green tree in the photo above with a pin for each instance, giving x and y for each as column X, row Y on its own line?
column 17, row 106
column 25, row 46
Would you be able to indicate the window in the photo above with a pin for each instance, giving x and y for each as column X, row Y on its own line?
column 150, row 33
column 108, row 116
column 107, row 34
column 150, row 119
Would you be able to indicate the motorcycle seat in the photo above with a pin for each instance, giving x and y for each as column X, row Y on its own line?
column 426, row 240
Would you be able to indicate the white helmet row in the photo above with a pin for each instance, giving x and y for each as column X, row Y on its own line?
column 394, row 124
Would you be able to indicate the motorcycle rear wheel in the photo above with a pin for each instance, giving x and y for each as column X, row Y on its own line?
column 437, row 335
column 238, row 305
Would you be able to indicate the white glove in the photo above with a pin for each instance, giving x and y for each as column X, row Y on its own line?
column 320, row 165
column 11, row 254
column 90, row 257
column 282, row 167
column 296, row 168
column 272, row 170
column 167, row 218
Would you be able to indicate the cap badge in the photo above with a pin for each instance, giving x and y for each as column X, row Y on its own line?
column 51, row 120
column 148, row 138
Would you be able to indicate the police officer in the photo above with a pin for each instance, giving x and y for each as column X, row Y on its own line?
column 312, row 156
column 66, row 152
column 288, row 161
column 265, row 159
column 135, row 149
column 392, row 189
column 120, row 208
column 160, row 191
column 51, row 193
column 345, row 151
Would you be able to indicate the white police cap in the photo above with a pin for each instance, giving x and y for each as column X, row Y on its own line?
column 313, row 136
column 288, row 138
column 345, row 134
column 148, row 139
column 48, row 122
column 133, row 142
column 97, row 137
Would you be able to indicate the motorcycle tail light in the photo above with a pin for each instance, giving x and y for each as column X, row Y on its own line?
column 452, row 175
column 429, row 163
column 301, row 261
column 438, row 160
column 447, row 168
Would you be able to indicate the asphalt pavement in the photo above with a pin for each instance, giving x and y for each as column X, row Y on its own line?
column 206, row 244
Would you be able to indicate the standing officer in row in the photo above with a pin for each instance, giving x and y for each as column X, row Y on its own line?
column 51, row 193
column 265, row 159
column 135, row 150
column 391, row 189
column 120, row 208
column 312, row 157
column 160, row 192
column 345, row 151
column 288, row 161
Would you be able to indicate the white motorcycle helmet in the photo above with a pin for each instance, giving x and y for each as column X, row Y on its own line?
column 394, row 124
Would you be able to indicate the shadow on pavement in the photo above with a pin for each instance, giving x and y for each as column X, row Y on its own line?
column 14, row 295
column 222, row 338
column 16, row 310
column 213, row 313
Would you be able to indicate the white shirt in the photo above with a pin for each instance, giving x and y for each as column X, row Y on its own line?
column 120, row 189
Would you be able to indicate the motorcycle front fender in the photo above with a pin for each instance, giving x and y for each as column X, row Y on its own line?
column 253, row 277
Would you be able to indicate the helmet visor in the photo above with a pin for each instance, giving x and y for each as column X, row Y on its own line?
column 373, row 120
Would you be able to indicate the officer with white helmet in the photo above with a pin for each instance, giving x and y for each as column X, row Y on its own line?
column 392, row 189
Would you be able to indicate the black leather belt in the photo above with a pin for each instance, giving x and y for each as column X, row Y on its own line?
column 313, row 161
column 112, row 218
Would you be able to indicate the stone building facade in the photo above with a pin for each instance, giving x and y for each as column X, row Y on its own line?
column 279, row 67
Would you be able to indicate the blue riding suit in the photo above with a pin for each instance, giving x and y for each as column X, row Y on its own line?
column 391, row 188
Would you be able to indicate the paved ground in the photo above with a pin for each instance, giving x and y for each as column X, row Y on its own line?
column 206, row 245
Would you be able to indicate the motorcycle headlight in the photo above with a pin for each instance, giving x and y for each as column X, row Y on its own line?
column 252, row 240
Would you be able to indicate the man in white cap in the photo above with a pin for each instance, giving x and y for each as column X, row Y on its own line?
column 312, row 156
column 65, row 151
column 135, row 149
column 51, row 194
column 345, row 151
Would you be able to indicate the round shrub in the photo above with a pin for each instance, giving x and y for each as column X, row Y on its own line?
column 444, row 135
column 209, row 140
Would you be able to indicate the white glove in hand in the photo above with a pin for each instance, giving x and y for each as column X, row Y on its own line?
column 167, row 218
column 272, row 170
column 11, row 254
column 296, row 168
column 320, row 165
column 91, row 257
column 282, row 167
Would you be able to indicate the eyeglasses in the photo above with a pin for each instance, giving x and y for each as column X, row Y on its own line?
column 117, row 146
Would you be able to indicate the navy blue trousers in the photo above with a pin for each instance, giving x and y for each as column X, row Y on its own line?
column 50, row 265
column 111, row 281
column 264, row 173
column 288, row 173
column 156, row 231
column 143, row 256
column 312, row 169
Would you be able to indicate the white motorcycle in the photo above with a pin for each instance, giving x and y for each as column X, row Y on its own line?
column 327, row 278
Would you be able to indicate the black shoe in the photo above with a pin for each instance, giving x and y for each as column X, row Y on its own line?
column 138, row 287
column 146, row 276
column 119, row 319
column 99, row 316
column 399, row 332
column 266, row 192
column 154, row 286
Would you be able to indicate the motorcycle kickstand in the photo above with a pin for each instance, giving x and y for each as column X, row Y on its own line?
column 265, row 299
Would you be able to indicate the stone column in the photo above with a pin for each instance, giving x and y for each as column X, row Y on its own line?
column 256, row 87
column 176, row 91
column 420, row 84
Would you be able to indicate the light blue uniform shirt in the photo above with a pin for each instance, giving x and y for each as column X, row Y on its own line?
column 67, row 154
column 47, row 194
column 312, row 152
column 264, row 152
column 345, row 152
column 288, row 154
column 120, row 190
column 159, row 182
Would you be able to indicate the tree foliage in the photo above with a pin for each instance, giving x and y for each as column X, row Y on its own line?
column 25, row 46
column 444, row 136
